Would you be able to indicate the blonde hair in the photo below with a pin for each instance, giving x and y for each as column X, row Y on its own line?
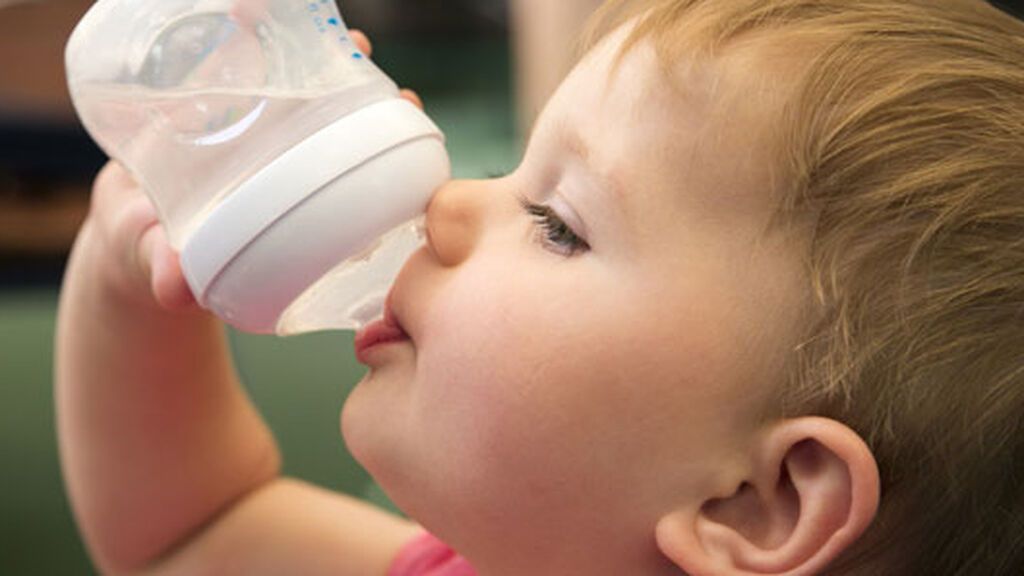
column 905, row 138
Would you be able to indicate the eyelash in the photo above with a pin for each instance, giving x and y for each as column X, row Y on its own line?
column 552, row 231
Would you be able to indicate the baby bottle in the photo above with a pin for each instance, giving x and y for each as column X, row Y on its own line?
column 284, row 166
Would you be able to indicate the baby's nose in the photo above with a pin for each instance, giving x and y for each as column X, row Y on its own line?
column 455, row 221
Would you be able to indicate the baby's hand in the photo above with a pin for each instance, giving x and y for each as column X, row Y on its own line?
column 133, row 252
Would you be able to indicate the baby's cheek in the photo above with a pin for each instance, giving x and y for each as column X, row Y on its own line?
column 486, row 367
column 473, row 354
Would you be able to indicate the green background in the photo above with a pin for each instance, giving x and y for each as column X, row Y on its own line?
column 299, row 383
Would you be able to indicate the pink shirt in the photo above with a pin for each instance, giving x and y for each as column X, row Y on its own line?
column 428, row 556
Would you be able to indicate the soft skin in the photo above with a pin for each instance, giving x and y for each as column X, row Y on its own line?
column 567, row 411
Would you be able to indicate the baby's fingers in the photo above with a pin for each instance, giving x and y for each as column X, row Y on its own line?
column 135, row 253
column 412, row 97
column 162, row 266
column 113, row 189
column 362, row 42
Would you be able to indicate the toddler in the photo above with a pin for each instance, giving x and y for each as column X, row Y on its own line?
column 753, row 303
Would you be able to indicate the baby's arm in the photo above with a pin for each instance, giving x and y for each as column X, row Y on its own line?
column 169, row 466
column 155, row 434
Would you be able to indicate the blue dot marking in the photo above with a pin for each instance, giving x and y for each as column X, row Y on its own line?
column 333, row 21
column 357, row 55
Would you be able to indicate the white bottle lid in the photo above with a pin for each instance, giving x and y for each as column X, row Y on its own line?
column 328, row 199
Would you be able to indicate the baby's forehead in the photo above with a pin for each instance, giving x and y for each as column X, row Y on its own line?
column 715, row 117
column 674, row 138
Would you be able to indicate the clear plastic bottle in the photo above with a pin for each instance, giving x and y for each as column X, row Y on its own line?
column 283, row 164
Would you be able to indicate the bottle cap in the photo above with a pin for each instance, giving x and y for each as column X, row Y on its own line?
column 325, row 201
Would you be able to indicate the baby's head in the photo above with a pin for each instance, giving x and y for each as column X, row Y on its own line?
column 755, row 247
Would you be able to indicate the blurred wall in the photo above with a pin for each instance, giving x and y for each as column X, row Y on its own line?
column 546, row 37
column 46, row 160
column 32, row 37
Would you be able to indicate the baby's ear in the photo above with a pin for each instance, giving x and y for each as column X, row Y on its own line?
column 812, row 492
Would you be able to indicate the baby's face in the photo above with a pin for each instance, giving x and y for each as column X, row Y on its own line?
column 577, row 365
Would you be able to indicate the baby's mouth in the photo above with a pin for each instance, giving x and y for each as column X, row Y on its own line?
column 378, row 334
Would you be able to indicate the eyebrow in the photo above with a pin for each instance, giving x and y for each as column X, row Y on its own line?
column 575, row 144
column 608, row 184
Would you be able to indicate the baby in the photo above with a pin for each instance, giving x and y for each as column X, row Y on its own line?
column 753, row 303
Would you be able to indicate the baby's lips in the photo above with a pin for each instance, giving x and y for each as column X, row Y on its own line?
column 373, row 335
column 383, row 331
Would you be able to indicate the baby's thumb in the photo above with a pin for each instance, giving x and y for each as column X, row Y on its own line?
column 162, row 266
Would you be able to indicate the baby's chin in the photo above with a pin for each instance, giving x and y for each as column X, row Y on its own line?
column 380, row 455
column 361, row 420
column 373, row 426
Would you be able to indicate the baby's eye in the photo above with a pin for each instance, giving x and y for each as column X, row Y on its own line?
column 552, row 231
